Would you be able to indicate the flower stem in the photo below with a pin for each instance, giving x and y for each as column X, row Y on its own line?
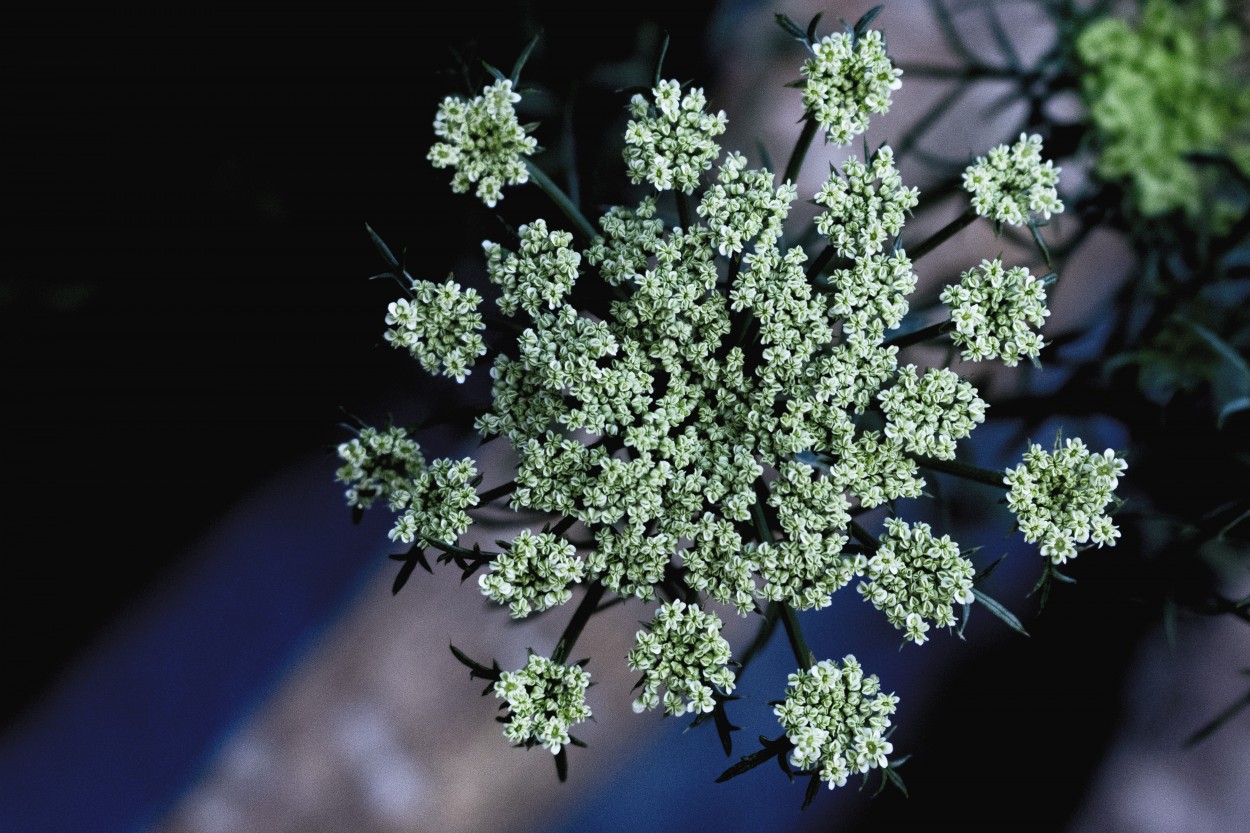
column 587, row 607
column 800, row 150
column 496, row 493
column 819, row 264
column 964, row 470
column 923, row 334
column 795, row 634
column 548, row 187
column 945, row 233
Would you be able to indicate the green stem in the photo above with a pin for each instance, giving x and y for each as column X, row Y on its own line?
column 548, row 187
column 683, row 209
column 967, row 472
column 800, row 150
column 762, row 637
column 585, row 609
column 819, row 264
column 946, row 232
column 795, row 634
column 865, row 537
column 496, row 493
column 923, row 334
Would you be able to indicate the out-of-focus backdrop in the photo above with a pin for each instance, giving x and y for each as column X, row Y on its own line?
column 198, row 638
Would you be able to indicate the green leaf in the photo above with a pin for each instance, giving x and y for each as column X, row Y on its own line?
column 772, row 748
column 1231, row 381
column 811, row 29
column 988, row 569
column 476, row 669
column 411, row 559
column 1001, row 612
column 813, row 787
column 562, row 764
column 793, row 29
column 659, row 62
column 382, row 248
column 499, row 76
column 521, row 59
column 861, row 25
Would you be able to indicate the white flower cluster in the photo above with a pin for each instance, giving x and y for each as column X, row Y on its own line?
column 805, row 569
column 483, row 141
column 439, row 327
column 534, row 573
column 541, row 274
column 859, row 217
column 994, row 309
column 545, row 699
column 683, row 650
column 1010, row 183
column 377, row 464
column 870, row 296
column 929, row 413
column 837, row 718
column 671, row 143
column 1060, row 497
column 848, row 79
column 914, row 577
column 743, row 206
column 433, row 503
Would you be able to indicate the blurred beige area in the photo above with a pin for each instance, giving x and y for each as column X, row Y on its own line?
column 378, row 728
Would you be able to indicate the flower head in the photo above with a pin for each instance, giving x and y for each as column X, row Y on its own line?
column 545, row 699
column 439, row 327
column 994, row 310
column 377, row 464
column 837, row 718
column 915, row 578
column 865, row 206
column 1060, row 497
column 682, row 650
column 1010, row 183
column 534, row 573
column 670, row 141
column 483, row 141
column 848, row 79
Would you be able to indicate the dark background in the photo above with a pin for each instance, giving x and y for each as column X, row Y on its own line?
column 185, row 305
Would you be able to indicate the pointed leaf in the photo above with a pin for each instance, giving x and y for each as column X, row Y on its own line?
column 522, row 58
column 659, row 62
column 861, row 25
column 562, row 764
column 988, row 569
column 813, row 787
column 498, row 76
column 382, row 248
column 793, row 29
column 811, row 29
column 1001, row 612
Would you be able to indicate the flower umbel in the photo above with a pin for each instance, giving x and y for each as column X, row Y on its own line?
column 994, row 309
column 483, row 141
column 1060, row 497
column 545, row 699
column 1009, row 184
column 682, row 650
column 837, row 718
column 847, row 80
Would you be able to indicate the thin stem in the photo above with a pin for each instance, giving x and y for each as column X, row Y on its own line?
column 795, row 635
column 585, row 609
column 940, row 328
column 819, row 264
column 548, row 187
column 946, row 232
column 800, row 150
column 762, row 637
column 865, row 537
column 683, row 208
column 964, row 470
column 496, row 493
